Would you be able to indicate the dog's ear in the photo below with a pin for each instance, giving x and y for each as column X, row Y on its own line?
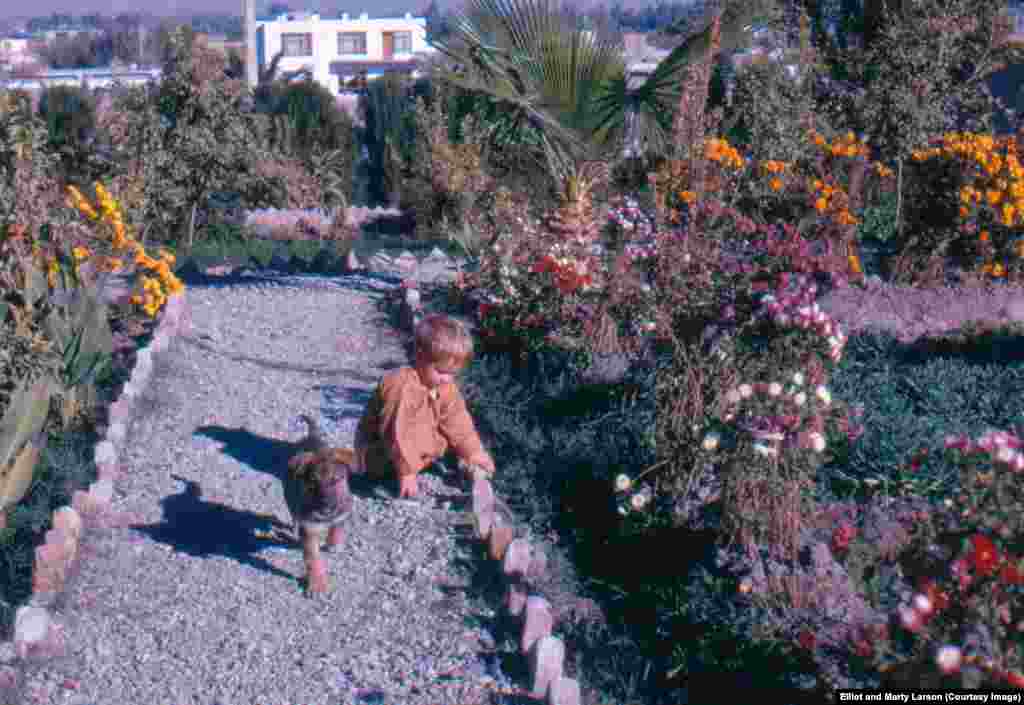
column 300, row 461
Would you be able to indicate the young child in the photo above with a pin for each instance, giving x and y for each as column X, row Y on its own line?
column 417, row 413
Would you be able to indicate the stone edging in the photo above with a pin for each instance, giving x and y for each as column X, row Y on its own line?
column 521, row 566
column 36, row 634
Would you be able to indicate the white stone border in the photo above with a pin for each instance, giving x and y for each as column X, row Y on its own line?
column 521, row 565
column 36, row 634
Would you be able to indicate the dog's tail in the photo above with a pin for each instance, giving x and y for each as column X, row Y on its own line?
column 315, row 434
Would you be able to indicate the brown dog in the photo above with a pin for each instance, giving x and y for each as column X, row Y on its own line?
column 319, row 500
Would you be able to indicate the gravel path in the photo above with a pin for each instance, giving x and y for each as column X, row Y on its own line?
column 188, row 606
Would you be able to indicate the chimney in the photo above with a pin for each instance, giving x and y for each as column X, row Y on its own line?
column 251, row 69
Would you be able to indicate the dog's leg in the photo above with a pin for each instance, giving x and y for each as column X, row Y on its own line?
column 316, row 568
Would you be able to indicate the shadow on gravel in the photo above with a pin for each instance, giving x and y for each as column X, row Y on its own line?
column 203, row 529
column 267, row 455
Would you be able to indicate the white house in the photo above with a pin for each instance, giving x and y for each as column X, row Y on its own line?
column 336, row 51
column 93, row 78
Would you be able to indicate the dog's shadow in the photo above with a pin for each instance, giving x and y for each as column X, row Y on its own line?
column 200, row 528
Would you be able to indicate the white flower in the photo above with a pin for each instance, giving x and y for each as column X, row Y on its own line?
column 710, row 442
column 798, row 378
column 799, row 398
column 774, row 389
column 923, row 605
column 822, row 393
column 1005, row 455
column 948, row 659
column 764, row 450
column 817, row 441
column 638, row 501
column 746, row 390
column 733, row 396
column 623, row 483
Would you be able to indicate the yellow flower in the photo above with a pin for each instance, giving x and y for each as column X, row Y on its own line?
column 994, row 197
column 80, row 253
column 855, row 264
column 998, row 270
column 820, row 205
column 114, row 264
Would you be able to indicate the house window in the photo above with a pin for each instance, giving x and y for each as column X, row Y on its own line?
column 351, row 42
column 403, row 42
column 297, row 44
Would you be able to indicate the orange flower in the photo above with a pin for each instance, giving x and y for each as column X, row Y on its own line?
column 983, row 236
column 775, row 184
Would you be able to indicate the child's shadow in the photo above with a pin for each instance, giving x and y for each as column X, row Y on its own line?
column 203, row 529
column 268, row 455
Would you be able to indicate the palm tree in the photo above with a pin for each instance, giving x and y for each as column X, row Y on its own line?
column 568, row 85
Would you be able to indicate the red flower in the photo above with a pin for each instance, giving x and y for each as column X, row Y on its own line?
column 1010, row 572
column 984, row 555
column 939, row 598
column 863, row 648
column 483, row 309
column 807, row 640
column 842, row 535
column 1015, row 679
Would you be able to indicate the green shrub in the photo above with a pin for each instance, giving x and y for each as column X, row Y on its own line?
column 261, row 251
column 913, row 399
column 305, row 251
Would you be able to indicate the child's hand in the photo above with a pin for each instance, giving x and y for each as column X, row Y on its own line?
column 408, row 486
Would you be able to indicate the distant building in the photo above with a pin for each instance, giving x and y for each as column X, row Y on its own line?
column 338, row 52
column 17, row 50
column 52, row 35
column 93, row 78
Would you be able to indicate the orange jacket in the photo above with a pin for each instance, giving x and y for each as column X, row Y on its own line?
column 409, row 426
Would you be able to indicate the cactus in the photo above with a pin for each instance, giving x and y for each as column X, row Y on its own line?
column 23, row 420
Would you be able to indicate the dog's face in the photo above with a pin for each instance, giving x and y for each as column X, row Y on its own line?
column 325, row 466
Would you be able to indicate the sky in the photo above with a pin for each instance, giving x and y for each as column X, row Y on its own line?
column 171, row 8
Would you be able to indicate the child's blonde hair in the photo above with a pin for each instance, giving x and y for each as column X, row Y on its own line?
column 441, row 339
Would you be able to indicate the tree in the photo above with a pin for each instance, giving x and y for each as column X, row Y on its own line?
column 188, row 138
column 568, row 85
column 70, row 116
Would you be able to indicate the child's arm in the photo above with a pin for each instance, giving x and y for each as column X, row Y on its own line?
column 458, row 429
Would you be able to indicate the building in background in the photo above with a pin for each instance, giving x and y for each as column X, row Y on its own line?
column 338, row 53
column 17, row 50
